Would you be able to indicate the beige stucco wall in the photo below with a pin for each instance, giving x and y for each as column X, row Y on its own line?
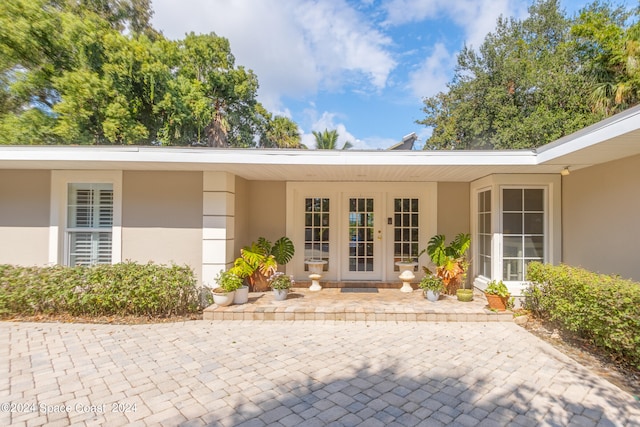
column 267, row 216
column 453, row 208
column 601, row 227
column 24, row 216
column 242, row 235
column 260, row 211
column 162, row 217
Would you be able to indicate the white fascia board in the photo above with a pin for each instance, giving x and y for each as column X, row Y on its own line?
column 615, row 126
column 212, row 156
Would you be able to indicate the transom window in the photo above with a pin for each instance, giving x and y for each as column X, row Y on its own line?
column 484, row 233
column 316, row 231
column 89, row 224
column 522, row 229
column 406, row 232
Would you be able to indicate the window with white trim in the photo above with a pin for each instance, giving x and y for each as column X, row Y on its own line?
column 316, row 231
column 522, row 230
column 406, row 231
column 89, row 230
column 484, row 233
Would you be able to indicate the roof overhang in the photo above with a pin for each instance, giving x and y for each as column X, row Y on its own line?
column 611, row 139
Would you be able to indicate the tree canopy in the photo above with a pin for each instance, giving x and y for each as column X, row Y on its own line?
column 96, row 72
column 328, row 140
column 535, row 80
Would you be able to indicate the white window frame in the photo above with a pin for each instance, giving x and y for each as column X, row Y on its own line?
column 474, row 239
column 545, row 228
column 551, row 183
column 60, row 180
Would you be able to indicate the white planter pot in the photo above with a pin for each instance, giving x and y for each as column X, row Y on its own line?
column 223, row 299
column 280, row 294
column 241, row 295
column 431, row 295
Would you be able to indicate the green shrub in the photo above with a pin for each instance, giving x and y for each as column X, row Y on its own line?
column 102, row 290
column 604, row 309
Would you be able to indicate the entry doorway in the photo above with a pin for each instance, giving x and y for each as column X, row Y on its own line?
column 360, row 233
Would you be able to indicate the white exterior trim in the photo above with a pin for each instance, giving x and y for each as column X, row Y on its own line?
column 296, row 192
column 58, row 212
column 553, row 216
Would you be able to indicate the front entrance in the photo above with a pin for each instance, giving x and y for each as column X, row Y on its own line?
column 359, row 233
column 362, row 249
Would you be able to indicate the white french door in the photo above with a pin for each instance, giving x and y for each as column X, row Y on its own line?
column 362, row 247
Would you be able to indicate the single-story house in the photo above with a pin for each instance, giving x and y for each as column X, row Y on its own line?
column 576, row 200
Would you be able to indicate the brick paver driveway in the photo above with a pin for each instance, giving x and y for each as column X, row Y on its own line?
column 297, row 373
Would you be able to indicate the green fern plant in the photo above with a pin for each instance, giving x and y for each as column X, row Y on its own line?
column 260, row 260
column 450, row 260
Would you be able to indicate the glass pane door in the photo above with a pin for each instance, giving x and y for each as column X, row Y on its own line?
column 362, row 245
column 361, row 234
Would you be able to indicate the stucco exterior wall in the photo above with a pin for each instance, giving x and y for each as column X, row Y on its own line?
column 242, row 235
column 162, row 217
column 453, row 208
column 268, row 208
column 601, row 231
column 24, row 216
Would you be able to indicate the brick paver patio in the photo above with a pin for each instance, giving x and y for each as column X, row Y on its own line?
column 309, row 373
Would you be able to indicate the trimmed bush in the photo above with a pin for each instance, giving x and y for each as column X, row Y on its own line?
column 102, row 290
column 604, row 309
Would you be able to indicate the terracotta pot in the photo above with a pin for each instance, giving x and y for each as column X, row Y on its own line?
column 496, row 302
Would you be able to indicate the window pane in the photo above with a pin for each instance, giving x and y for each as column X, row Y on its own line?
column 533, row 223
column 534, row 199
column 512, row 223
column 534, row 246
column 512, row 269
column 487, row 245
column 512, row 199
column 512, row 246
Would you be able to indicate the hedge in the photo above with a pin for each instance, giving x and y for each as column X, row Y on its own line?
column 102, row 290
column 604, row 309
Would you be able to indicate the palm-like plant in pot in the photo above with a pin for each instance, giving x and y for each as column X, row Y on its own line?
column 260, row 261
column 450, row 260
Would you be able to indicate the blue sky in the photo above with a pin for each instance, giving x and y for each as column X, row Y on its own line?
column 361, row 67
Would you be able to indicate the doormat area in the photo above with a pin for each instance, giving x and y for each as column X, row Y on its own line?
column 361, row 290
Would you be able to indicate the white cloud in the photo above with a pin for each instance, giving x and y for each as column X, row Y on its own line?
column 328, row 120
column 295, row 47
column 475, row 18
column 433, row 74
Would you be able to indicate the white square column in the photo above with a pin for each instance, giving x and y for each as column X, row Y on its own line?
column 218, row 224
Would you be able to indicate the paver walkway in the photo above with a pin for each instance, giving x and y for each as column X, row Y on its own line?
column 384, row 305
column 309, row 373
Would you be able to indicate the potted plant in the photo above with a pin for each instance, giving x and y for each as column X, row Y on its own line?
column 450, row 260
column 227, row 285
column 260, row 260
column 280, row 283
column 242, row 294
column 497, row 295
column 432, row 286
column 464, row 295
